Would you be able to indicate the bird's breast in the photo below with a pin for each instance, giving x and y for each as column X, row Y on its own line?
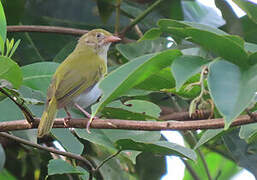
column 88, row 97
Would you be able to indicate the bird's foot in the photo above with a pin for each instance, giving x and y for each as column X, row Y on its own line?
column 66, row 119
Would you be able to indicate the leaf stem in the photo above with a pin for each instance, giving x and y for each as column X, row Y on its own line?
column 140, row 17
column 107, row 159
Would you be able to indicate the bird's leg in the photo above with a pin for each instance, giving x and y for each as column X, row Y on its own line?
column 86, row 114
column 68, row 116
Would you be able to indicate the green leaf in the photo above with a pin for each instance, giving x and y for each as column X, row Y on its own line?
column 38, row 75
column 107, row 138
column 231, row 88
column 158, row 81
column 251, row 47
column 96, row 136
column 132, row 109
column 151, row 34
column 248, row 132
column 165, row 24
column 2, row 157
column 2, row 28
column 59, row 166
column 133, row 50
column 14, row 48
column 207, row 135
column 249, row 7
column 222, row 45
column 68, row 140
column 146, row 166
column 4, row 174
column 10, row 71
column 131, row 74
column 239, row 150
column 184, row 67
column 211, row 39
column 157, row 147
column 253, row 58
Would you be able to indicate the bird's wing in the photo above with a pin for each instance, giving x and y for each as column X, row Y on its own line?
column 73, row 81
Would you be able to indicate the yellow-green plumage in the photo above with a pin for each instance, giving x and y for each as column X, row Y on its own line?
column 80, row 72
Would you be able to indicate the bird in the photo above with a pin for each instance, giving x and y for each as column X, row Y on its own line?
column 76, row 80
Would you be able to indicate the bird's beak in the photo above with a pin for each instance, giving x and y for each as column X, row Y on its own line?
column 111, row 39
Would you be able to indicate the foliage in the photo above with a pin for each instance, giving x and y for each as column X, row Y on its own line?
column 206, row 65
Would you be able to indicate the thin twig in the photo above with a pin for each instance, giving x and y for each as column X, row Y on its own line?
column 28, row 115
column 117, row 21
column 140, row 17
column 129, row 124
column 190, row 170
column 88, row 164
column 107, row 159
column 205, row 165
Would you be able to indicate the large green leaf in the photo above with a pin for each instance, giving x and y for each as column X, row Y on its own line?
column 158, row 147
column 107, row 138
column 214, row 40
column 133, row 50
column 38, row 75
column 184, row 67
column 163, row 79
column 59, row 166
column 146, row 166
column 4, row 174
column 232, row 89
column 249, row 7
column 131, row 74
column 68, row 140
column 165, row 24
column 132, row 109
column 248, row 132
column 2, row 28
column 240, row 152
column 10, row 71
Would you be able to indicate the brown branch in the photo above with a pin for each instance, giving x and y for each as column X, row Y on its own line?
column 130, row 124
column 46, row 29
column 54, row 29
column 52, row 150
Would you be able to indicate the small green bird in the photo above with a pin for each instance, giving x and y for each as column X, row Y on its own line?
column 76, row 80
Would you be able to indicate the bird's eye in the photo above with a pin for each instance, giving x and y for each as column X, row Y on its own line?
column 99, row 35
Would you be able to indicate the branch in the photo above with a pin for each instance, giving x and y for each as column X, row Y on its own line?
column 54, row 29
column 129, row 124
column 46, row 29
column 67, row 154
column 140, row 17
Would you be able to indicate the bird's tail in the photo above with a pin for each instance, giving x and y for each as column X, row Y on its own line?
column 47, row 119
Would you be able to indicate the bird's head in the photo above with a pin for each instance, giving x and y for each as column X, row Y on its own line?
column 98, row 39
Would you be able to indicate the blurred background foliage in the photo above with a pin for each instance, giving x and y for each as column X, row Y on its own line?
column 38, row 56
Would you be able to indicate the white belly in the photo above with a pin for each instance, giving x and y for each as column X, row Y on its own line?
column 87, row 98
